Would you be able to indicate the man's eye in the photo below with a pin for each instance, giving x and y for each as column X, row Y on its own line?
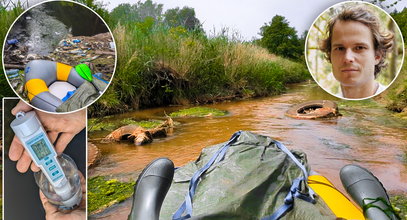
column 360, row 48
column 339, row 48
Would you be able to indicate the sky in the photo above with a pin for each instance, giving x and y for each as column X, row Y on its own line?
column 246, row 17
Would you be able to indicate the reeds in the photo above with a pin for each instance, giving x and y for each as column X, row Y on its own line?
column 170, row 65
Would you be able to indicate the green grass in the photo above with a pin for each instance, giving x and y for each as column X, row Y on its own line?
column 161, row 66
column 198, row 112
column 99, row 124
column 103, row 192
column 96, row 124
column 147, row 124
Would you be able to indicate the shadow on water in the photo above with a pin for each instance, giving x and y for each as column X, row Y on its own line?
column 367, row 135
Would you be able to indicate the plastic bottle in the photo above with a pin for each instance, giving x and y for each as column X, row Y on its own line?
column 59, row 178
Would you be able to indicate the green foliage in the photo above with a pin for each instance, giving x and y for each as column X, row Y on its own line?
column 184, row 17
column 198, row 112
column 146, row 25
column 281, row 39
column 126, row 13
column 103, row 192
column 401, row 20
column 97, row 124
column 399, row 203
column 146, row 124
column 104, row 124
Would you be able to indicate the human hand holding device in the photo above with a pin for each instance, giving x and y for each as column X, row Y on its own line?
column 66, row 126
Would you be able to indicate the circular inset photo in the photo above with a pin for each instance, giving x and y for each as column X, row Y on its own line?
column 354, row 50
column 59, row 56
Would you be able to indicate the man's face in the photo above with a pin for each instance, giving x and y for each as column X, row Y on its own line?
column 352, row 53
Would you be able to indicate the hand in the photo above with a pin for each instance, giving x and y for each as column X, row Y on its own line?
column 64, row 125
column 52, row 213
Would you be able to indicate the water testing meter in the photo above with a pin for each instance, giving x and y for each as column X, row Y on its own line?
column 32, row 135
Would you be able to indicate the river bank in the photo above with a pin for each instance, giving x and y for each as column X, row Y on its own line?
column 395, row 97
column 161, row 66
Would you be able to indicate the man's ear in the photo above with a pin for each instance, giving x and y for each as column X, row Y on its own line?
column 378, row 57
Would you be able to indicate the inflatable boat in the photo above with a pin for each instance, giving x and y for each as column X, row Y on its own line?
column 48, row 83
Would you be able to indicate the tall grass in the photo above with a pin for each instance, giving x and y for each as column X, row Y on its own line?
column 159, row 65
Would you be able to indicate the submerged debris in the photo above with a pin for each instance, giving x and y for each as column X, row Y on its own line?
column 94, row 155
column 314, row 109
column 140, row 135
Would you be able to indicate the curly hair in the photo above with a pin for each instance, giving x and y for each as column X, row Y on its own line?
column 382, row 40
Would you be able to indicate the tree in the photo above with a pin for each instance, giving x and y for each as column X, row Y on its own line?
column 401, row 19
column 383, row 5
column 184, row 17
column 281, row 39
column 149, row 9
column 126, row 13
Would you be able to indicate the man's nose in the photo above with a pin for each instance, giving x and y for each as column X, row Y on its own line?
column 349, row 56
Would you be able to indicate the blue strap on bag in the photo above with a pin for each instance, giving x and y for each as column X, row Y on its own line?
column 186, row 207
column 295, row 190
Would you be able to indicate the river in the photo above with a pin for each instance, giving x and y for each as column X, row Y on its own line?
column 366, row 134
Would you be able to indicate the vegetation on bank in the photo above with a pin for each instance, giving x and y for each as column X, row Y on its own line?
column 103, row 192
column 99, row 124
column 159, row 66
column 396, row 96
column 198, row 112
column 399, row 203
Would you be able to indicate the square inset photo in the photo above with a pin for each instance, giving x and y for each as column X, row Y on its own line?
column 44, row 163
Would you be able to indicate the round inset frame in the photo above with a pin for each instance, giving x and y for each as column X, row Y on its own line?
column 45, row 53
column 318, row 61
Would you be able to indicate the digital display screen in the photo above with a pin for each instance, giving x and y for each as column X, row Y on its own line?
column 40, row 149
